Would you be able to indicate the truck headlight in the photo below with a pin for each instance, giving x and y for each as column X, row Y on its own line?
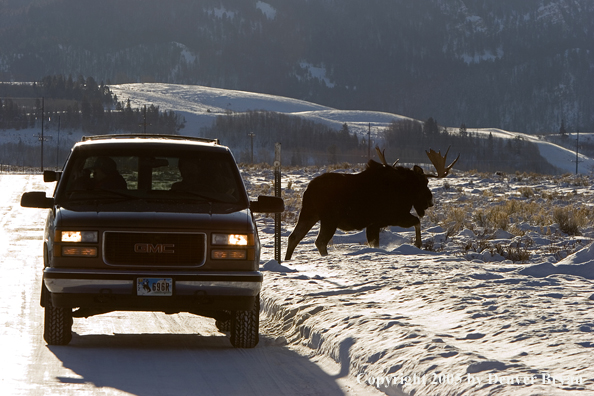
column 77, row 236
column 232, row 247
column 233, row 239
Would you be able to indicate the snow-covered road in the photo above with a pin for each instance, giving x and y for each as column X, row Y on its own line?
column 129, row 353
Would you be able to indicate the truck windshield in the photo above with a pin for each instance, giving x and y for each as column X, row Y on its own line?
column 206, row 176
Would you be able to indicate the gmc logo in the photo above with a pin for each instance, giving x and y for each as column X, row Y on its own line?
column 156, row 248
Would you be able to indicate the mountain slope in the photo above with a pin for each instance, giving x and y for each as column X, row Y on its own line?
column 522, row 66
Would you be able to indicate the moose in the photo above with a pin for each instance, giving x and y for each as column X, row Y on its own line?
column 380, row 196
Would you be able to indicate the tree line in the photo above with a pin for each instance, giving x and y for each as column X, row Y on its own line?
column 408, row 140
column 303, row 141
column 81, row 104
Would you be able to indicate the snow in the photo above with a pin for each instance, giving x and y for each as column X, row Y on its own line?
column 266, row 9
column 487, row 55
column 201, row 105
column 459, row 318
column 316, row 72
column 580, row 263
column 550, row 13
column 187, row 55
column 222, row 12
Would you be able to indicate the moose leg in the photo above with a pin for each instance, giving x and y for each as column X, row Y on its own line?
column 326, row 233
column 418, row 241
column 411, row 221
column 299, row 232
column 372, row 233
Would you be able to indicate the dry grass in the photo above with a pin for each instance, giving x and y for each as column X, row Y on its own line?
column 571, row 219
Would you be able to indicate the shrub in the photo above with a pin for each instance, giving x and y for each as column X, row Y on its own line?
column 570, row 219
column 526, row 192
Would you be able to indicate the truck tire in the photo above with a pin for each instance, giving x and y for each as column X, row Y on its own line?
column 57, row 324
column 245, row 327
column 223, row 325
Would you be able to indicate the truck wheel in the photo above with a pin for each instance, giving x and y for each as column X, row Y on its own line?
column 245, row 327
column 57, row 325
column 223, row 325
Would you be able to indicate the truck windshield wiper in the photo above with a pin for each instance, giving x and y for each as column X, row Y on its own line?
column 91, row 195
column 209, row 197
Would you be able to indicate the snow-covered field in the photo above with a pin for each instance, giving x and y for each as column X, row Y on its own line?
column 499, row 301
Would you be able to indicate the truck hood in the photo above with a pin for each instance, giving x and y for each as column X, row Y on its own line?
column 238, row 220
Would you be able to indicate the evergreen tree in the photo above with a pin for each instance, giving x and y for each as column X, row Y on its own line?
column 332, row 154
column 562, row 130
column 86, row 113
column 430, row 128
column 463, row 131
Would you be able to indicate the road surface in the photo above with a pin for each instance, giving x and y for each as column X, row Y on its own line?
column 128, row 353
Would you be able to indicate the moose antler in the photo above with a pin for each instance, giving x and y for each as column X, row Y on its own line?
column 382, row 158
column 439, row 162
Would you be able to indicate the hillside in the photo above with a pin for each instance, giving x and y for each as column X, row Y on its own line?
column 201, row 105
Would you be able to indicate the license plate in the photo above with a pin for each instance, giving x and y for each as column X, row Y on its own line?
column 154, row 286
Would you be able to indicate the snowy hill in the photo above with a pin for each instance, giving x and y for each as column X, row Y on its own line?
column 201, row 105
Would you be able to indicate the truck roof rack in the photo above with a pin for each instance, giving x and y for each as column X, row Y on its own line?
column 148, row 136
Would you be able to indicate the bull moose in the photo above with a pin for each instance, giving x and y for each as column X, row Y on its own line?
column 380, row 196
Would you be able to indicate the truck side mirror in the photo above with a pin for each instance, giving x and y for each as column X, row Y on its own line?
column 51, row 176
column 36, row 199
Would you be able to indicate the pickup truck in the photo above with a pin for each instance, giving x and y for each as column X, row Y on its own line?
column 151, row 223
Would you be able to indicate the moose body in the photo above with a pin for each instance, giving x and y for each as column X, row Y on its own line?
column 380, row 196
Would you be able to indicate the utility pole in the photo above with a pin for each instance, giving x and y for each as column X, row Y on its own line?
column 144, row 119
column 251, row 135
column 369, row 142
column 42, row 138
column 577, row 145
column 277, row 193
column 58, row 145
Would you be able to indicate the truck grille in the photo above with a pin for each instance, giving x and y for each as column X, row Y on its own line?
column 154, row 249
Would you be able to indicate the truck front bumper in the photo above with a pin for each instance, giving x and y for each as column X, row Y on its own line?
column 117, row 290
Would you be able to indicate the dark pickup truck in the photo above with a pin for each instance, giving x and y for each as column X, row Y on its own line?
column 151, row 223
